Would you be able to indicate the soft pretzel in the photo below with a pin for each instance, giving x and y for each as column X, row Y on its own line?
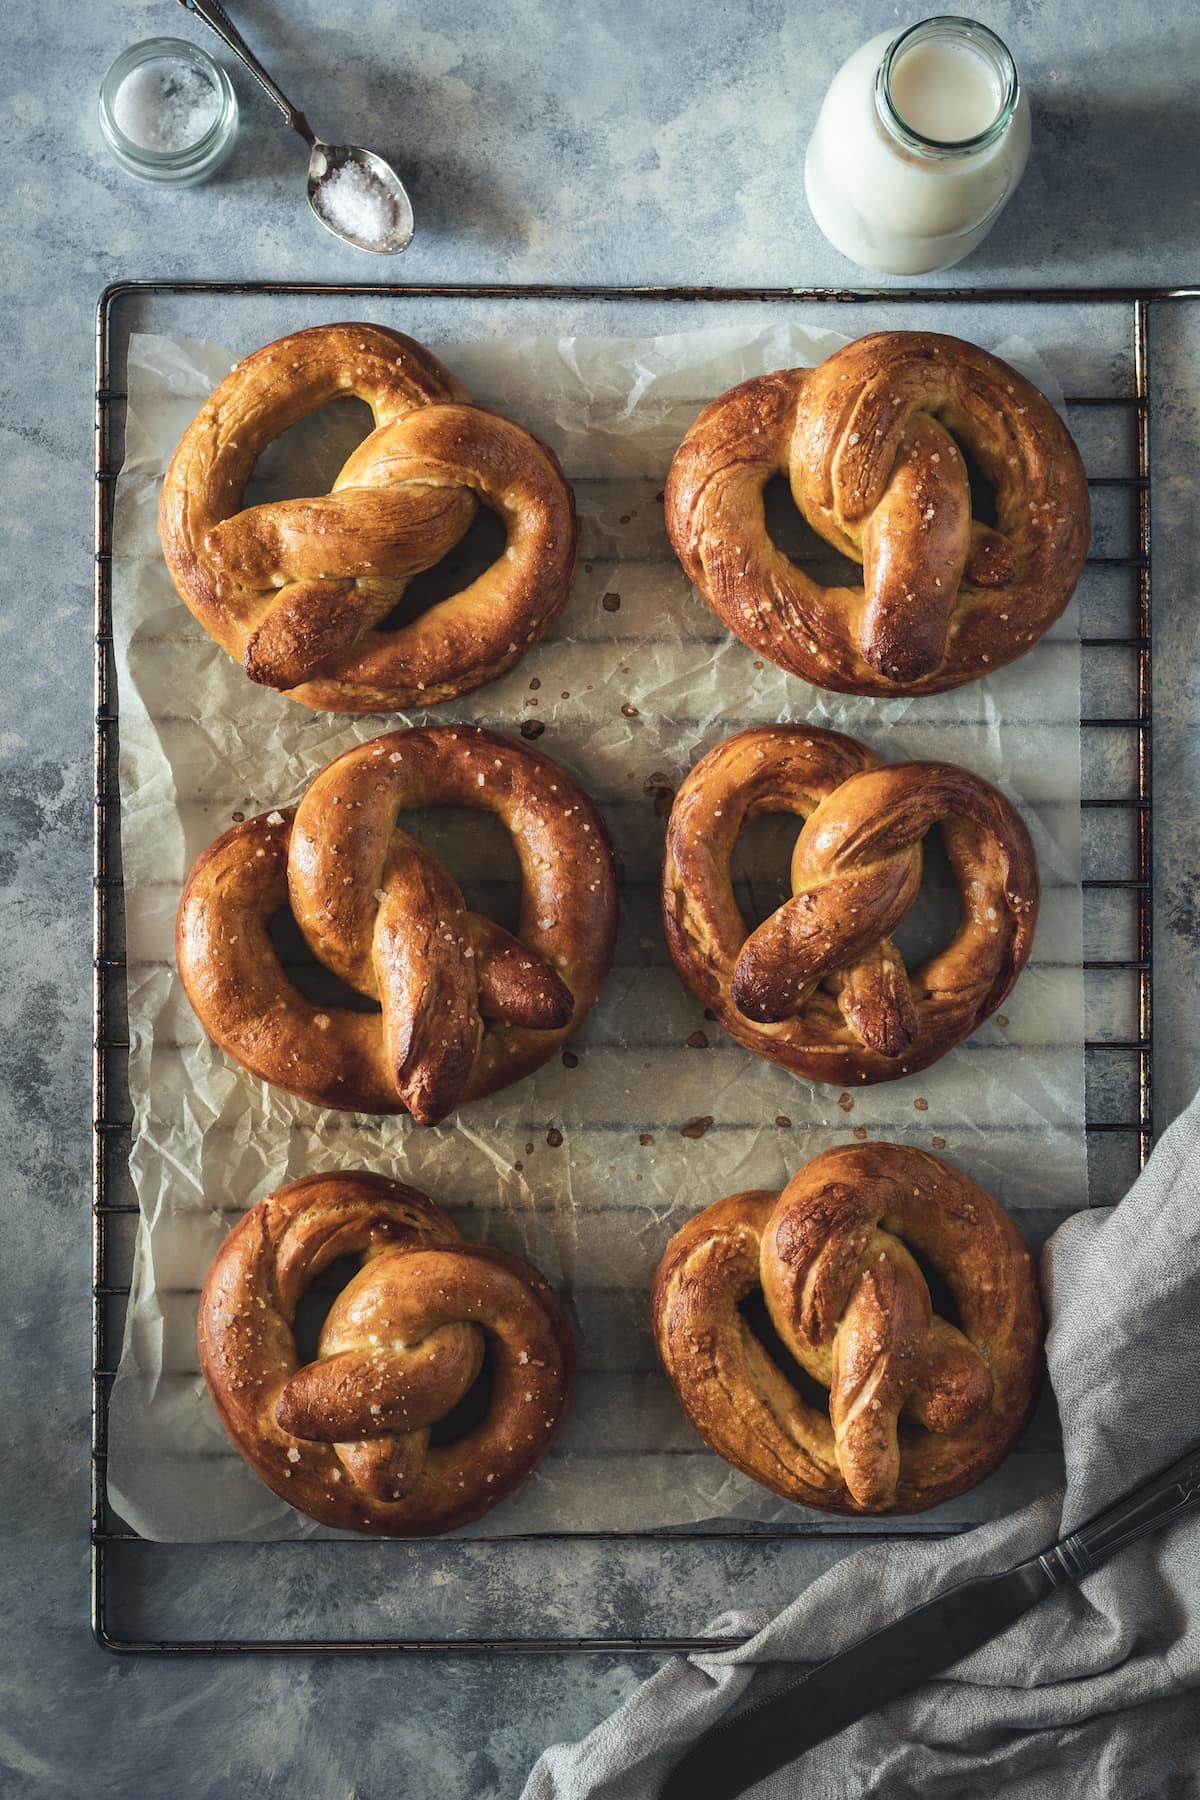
column 346, row 1438
column 870, row 442
column 920, row 1409
column 819, row 986
column 296, row 589
column 466, row 1007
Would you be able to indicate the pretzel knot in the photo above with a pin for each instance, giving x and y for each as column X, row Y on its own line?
column 347, row 1437
column 920, row 1409
column 872, row 443
column 465, row 1007
column 819, row 986
column 297, row 589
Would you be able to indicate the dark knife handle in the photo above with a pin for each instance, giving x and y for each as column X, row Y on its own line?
column 1171, row 1491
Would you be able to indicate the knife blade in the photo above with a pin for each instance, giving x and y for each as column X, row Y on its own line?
column 899, row 1657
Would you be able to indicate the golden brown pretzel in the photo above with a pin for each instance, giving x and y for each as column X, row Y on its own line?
column 868, row 442
column 346, row 1438
column 919, row 1409
column 819, row 986
column 295, row 589
column 466, row 1006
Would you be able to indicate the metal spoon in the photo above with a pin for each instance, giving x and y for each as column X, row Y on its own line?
column 324, row 159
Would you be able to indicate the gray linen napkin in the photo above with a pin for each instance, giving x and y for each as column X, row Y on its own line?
column 1092, row 1693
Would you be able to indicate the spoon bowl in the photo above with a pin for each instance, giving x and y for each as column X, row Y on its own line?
column 360, row 198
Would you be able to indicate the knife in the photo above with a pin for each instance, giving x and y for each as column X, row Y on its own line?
column 734, row 1755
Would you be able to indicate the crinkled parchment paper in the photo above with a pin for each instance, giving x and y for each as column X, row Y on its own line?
column 585, row 1168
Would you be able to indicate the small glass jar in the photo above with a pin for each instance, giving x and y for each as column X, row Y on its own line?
column 920, row 143
column 189, row 163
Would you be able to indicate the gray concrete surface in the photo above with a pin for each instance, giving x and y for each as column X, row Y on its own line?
column 621, row 144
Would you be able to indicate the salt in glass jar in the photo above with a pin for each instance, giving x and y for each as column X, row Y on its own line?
column 168, row 111
column 920, row 142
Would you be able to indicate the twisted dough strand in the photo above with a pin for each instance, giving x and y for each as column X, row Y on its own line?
column 920, row 1409
column 820, row 986
column 870, row 442
column 466, row 1007
column 346, row 1438
column 296, row 589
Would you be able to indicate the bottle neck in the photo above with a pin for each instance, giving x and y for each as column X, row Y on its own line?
column 946, row 88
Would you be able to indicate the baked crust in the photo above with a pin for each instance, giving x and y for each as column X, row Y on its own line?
column 345, row 1438
column 295, row 589
column 920, row 1410
column 870, row 442
column 467, row 1008
column 819, row 986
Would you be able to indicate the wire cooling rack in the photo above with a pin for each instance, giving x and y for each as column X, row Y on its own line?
column 1120, row 1103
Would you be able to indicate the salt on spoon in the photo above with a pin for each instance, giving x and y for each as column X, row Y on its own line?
column 353, row 202
column 354, row 193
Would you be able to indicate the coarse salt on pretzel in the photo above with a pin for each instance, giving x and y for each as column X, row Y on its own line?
column 919, row 1408
column 346, row 1437
column 871, row 442
column 297, row 589
column 819, row 986
column 466, row 1007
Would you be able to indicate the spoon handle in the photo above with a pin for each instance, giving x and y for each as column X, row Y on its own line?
column 218, row 20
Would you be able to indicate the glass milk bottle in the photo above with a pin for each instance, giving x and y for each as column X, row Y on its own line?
column 920, row 141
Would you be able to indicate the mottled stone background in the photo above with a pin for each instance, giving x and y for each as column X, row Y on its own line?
column 614, row 142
